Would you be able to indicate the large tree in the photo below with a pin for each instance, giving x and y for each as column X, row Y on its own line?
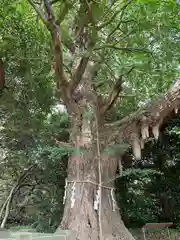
column 99, row 48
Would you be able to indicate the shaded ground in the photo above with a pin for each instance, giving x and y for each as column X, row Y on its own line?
column 137, row 233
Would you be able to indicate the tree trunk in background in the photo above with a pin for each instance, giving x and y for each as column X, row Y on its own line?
column 83, row 176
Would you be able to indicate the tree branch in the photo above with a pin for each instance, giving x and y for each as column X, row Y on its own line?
column 114, row 94
column 90, row 14
column 77, row 76
column 141, row 50
column 83, row 21
column 26, row 173
column 109, row 21
column 63, row 144
column 115, row 15
column 49, row 21
column 83, row 64
column 120, row 22
column 7, row 203
column 39, row 12
column 67, row 69
column 4, row 206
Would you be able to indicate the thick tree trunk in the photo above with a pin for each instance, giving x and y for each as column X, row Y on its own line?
column 83, row 179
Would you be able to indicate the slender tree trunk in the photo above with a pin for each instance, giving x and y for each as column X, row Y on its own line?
column 80, row 215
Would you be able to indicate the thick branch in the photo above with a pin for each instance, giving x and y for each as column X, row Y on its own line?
column 39, row 12
column 146, row 122
column 86, row 41
column 90, row 14
column 49, row 21
column 77, row 76
column 56, row 41
column 114, row 94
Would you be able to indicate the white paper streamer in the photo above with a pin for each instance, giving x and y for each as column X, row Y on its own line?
column 96, row 202
column 113, row 200
column 65, row 191
column 73, row 195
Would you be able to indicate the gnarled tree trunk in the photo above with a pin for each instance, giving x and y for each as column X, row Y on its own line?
column 80, row 214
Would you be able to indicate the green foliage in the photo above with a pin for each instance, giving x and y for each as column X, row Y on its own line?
column 137, row 203
column 149, row 192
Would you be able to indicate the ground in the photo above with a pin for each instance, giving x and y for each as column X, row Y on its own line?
column 138, row 234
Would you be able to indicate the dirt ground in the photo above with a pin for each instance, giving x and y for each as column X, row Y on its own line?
column 137, row 233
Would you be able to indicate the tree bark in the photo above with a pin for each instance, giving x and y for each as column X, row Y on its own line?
column 83, row 176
